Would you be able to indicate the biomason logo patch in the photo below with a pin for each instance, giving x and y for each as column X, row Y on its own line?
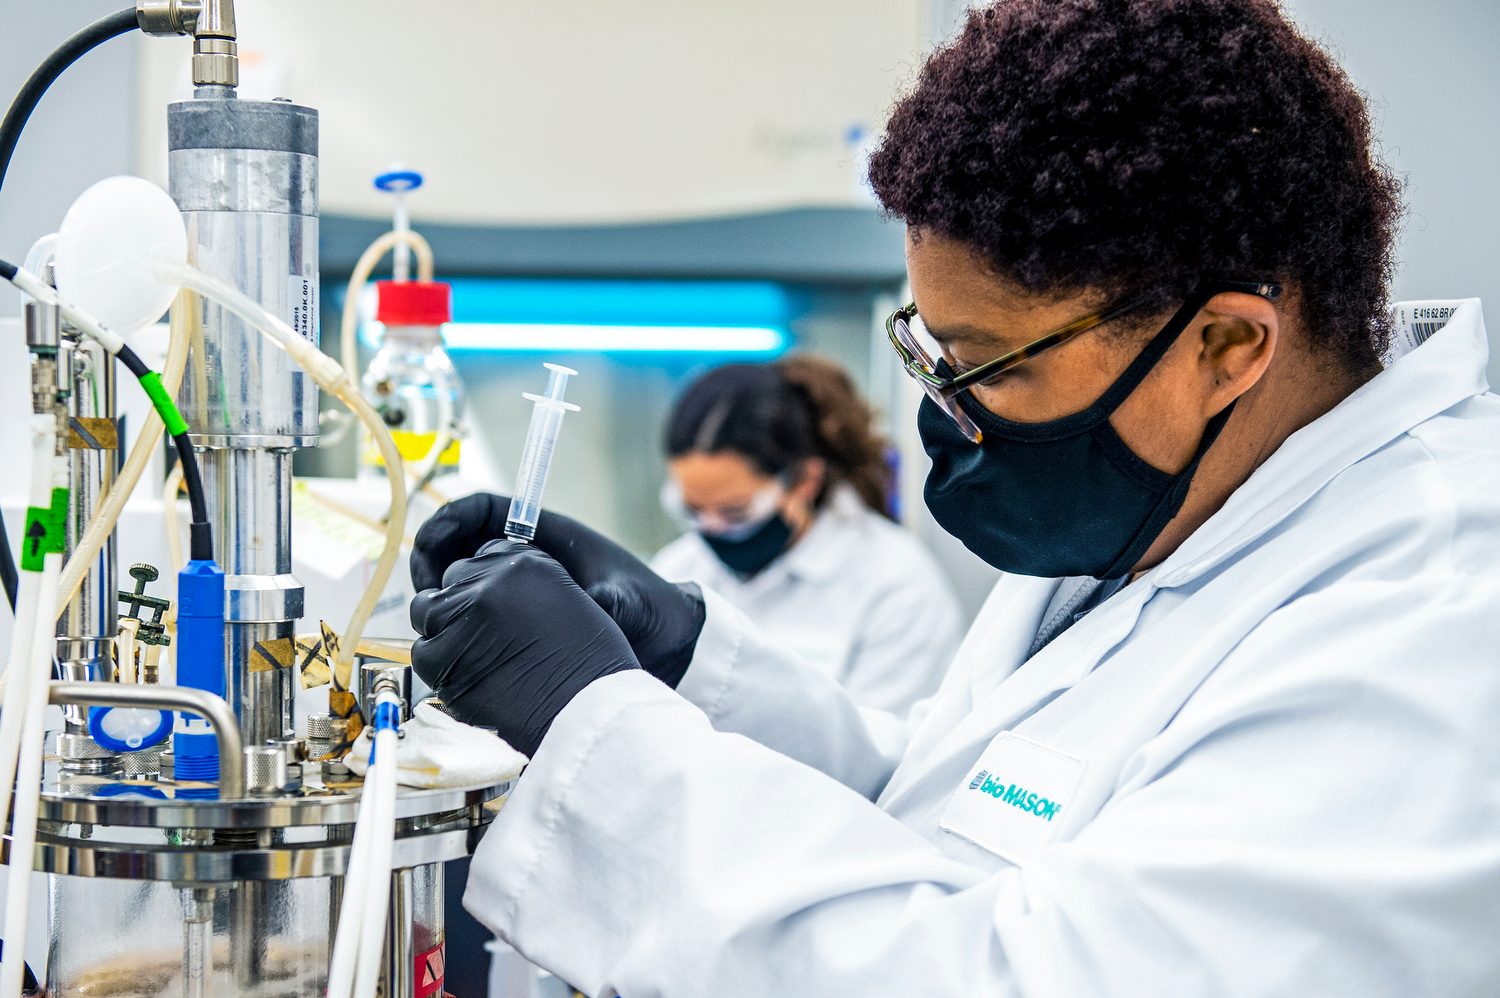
column 1015, row 796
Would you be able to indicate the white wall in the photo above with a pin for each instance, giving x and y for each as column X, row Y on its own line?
column 82, row 131
column 1432, row 71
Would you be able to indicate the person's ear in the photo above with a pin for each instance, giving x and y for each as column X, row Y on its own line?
column 1239, row 341
column 810, row 479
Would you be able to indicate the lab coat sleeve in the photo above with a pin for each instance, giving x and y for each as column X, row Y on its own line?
column 909, row 634
column 732, row 870
column 748, row 684
column 1320, row 819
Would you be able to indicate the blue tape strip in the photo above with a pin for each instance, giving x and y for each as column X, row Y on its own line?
column 387, row 717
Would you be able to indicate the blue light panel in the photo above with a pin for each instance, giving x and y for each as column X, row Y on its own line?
column 723, row 317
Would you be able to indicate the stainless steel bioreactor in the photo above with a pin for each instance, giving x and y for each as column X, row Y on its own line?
column 245, row 174
column 160, row 885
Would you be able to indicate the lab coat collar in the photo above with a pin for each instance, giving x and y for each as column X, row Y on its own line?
column 1445, row 370
column 820, row 555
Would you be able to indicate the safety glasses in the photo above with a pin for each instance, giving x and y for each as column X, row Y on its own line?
column 944, row 390
column 731, row 523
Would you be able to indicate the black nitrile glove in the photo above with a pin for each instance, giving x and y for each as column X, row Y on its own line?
column 510, row 639
column 661, row 620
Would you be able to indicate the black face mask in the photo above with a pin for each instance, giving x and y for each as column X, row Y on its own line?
column 748, row 555
column 1064, row 497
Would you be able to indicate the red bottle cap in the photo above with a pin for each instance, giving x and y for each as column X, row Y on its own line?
column 414, row 303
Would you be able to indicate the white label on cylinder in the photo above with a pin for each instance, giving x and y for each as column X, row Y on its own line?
column 302, row 311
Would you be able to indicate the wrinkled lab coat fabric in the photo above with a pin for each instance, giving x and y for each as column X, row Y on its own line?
column 857, row 596
column 1291, row 741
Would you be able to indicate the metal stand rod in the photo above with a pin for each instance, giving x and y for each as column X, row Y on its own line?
column 247, row 936
column 197, row 941
column 400, row 966
column 213, row 708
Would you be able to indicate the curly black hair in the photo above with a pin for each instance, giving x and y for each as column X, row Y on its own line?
column 1138, row 146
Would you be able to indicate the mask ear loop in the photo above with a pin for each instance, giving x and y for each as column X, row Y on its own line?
column 1169, row 504
column 1114, row 396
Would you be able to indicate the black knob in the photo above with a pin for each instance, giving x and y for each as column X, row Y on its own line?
column 142, row 574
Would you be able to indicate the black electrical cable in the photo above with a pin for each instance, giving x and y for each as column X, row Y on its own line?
column 62, row 57
column 7, row 566
column 200, row 535
column 7, row 559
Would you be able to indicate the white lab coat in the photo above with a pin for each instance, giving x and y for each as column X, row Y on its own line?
column 1290, row 743
column 857, row 596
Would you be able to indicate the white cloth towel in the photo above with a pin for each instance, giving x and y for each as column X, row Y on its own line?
column 437, row 751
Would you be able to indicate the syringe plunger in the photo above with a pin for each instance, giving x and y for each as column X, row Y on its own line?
column 536, row 458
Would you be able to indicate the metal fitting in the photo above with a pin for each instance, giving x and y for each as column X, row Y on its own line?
column 167, row 17
column 320, row 727
column 389, row 679
column 373, row 676
column 67, row 364
column 295, row 749
column 216, row 20
column 78, row 753
column 42, row 327
column 265, row 770
column 215, row 62
column 141, row 765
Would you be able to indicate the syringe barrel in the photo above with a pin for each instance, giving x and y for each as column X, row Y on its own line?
column 536, row 462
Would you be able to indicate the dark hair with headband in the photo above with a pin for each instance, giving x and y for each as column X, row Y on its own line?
column 1138, row 146
column 778, row 415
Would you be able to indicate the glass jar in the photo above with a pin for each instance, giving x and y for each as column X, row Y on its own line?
column 411, row 382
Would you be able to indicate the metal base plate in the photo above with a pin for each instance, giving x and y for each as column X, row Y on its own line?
column 91, row 825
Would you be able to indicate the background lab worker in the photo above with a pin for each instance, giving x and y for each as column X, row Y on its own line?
column 1152, row 242
column 780, row 473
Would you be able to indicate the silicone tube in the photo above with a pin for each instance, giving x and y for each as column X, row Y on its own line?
column 331, row 376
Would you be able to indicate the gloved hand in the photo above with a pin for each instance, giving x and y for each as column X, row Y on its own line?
column 510, row 639
column 661, row 620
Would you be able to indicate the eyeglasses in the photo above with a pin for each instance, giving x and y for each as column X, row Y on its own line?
column 732, row 523
column 944, row 390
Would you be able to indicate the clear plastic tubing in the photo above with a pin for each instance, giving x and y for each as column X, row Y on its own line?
column 536, row 457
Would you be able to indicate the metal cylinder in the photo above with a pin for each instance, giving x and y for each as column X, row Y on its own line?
column 245, row 174
column 86, row 629
column 265, row 769
column 416, row 938
column 369, row 671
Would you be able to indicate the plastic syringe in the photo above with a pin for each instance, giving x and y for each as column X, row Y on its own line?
column 536, row 458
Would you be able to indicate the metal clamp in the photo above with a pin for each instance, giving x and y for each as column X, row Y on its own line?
column 213, row 708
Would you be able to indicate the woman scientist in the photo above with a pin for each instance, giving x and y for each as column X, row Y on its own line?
column 1226, row 725
column 779, row 472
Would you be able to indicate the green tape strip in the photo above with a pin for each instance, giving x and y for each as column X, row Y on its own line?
column 44, row 532
column 164, row 405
